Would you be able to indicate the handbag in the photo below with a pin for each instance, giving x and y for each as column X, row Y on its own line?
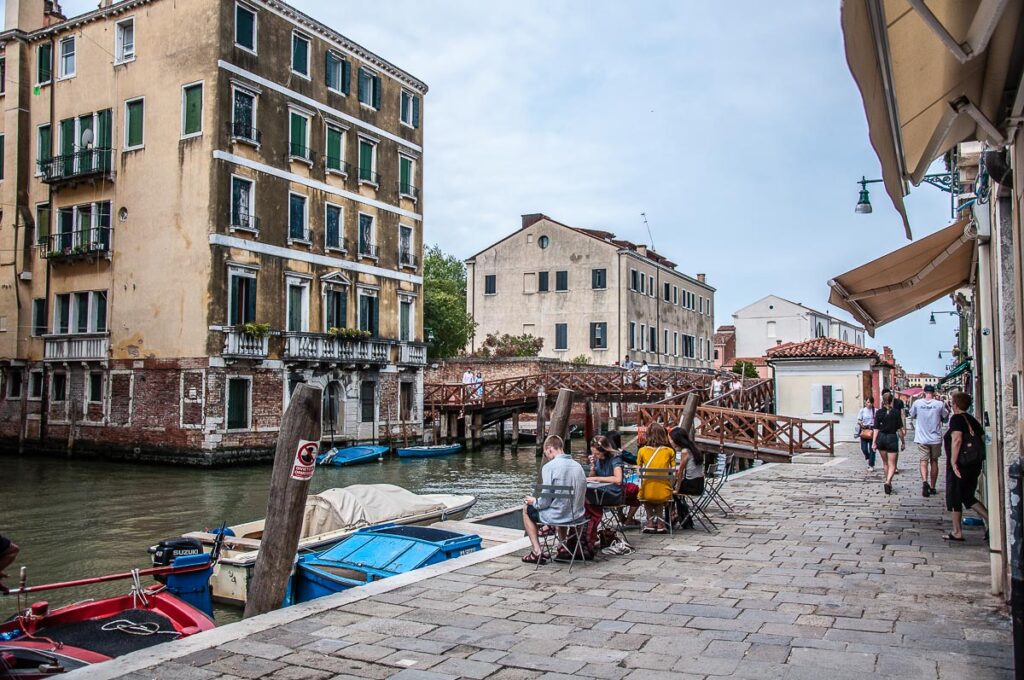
column 867, row 433
column 972, row 449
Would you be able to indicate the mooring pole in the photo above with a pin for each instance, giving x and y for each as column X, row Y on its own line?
column 515, row 432
column 289, row 485
column 559, row 422
column 588, row 421
column 542, row 399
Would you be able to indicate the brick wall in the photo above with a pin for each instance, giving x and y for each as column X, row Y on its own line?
column 451, row 370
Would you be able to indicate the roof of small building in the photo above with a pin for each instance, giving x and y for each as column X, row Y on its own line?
column 723, row 334
column 821, row 348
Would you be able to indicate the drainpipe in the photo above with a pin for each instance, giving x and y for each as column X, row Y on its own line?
column 989, row 405
column 44, row 404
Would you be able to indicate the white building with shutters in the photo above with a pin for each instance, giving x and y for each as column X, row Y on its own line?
column 774, row 321
column 823, row 379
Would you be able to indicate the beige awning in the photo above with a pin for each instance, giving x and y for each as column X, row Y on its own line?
column 907, row 279
column 932, row 74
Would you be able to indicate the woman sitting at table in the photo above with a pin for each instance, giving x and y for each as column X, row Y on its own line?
column 604, row 483
column 689, row 475
column 655, row 461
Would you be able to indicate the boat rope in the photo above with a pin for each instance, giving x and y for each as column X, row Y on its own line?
column 136, row 628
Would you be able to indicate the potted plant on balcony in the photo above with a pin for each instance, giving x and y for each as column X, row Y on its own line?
column 256, row 330
column 349, row 334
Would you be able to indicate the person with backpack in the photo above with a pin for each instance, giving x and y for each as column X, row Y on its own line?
column 886, row 438
column 965, row 457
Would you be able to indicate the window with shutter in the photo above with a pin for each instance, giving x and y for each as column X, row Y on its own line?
column 334, row 72
column 366, row 162
column 542, row 282
column 367, row 401
column 105, row 136
column 39, row 317
column 134, row 128
column 405, row 321
column 298, row 136
column 332, row 227
column 599, row 279
column 335, row 155
column 44, row 148
column 192, row 110
column 410, row 109
column 561, row 336
column 632, row 334
column 490, row 284
column 337, row 308
column 43, row 218
column 44, row 64
column 405, row 174
column 562, row 281
column 297, row 218
column 245, row 27
column 238, row 403
column 124, row 41
column 300, row 55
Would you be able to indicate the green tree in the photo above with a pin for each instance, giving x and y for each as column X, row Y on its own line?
column 445, row 318
column 745, row 369
column 507, row 345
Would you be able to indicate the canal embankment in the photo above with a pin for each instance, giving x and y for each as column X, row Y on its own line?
column 816, row 573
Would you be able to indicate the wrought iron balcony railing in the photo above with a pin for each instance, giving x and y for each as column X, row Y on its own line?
column 369, row 250
column 70, row 245
column 303, row 154
column 337, row 165
column 408, row 190
column 243, row 132
column 368, row 175
column 76, row 166
column 406, row 258
column 244, row 221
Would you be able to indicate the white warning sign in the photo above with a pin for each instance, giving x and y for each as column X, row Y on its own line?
column 305, row 460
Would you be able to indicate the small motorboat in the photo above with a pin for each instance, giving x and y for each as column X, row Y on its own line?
column 328, row 518
column 372, row 554
column 351, row 455
column 39, row 643
column 429, row 451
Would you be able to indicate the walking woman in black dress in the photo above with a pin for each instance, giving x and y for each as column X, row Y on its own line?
column 888, row 423
column 965, row 456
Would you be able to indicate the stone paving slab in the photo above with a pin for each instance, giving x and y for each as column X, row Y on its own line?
column 818, row 574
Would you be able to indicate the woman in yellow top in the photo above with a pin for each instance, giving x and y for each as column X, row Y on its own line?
column 659, row 457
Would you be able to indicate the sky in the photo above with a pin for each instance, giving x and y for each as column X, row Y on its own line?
column 736, row 127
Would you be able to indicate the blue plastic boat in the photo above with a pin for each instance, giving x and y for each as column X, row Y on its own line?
column 429, row 451
column 351, row 455
column 371, row 554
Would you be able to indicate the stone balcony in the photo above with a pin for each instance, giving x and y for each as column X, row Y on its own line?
column 240, row 345
column 76, row 347
column 412, row 354
column 326, row 348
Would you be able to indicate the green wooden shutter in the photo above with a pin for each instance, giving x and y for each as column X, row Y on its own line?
column 67, row 145
column 346, row 76
column 250, row 301
column 342, row 319
column 294, row 308
column 45, row 143
column 330, row 74
column 376, row 92
column 238, row 404
column 193, row 109
column 235, row 303
column 298, row 135
column 374, row 316
column 104, row 136
column 362, row 84
column 44, row 63
column 136, row 115
column 333, row 148
column 365, row 161
column 415, row 111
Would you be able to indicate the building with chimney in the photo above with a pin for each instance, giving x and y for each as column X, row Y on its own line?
column 204, row 204
column 590, row 294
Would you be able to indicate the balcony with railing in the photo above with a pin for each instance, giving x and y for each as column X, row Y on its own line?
column 240, row 131
column 76, row 347
column 84, row 244
column 368, row 250
column 244, row 221
column 406, row 258
column 78, row 166
column 338, row 244
column 412, row 354
column 368, row 176
column 327, row 348
column 337, row 166
column 407, row 190
column 301, row 154
column 299, row 234
column 241, row 345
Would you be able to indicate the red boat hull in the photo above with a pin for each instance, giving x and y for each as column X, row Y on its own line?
column 59, row 634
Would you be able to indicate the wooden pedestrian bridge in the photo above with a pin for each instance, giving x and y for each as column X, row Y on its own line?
column 739, row 422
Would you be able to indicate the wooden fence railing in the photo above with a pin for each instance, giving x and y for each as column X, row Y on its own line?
column 755, row 431
column 623, row 385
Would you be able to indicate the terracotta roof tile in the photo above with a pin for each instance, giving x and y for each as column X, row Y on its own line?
column 821, row 348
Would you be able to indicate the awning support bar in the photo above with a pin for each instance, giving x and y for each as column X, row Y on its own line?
column 916, row 278
column 984, row 23
column 864, row 316
column 937, row 141
column 968, row 107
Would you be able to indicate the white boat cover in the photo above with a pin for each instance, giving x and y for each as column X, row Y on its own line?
column 361, row 505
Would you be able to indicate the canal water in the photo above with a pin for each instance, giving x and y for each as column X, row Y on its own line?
column 76, row 518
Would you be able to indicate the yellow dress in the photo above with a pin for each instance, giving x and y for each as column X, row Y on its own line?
column 655, row 490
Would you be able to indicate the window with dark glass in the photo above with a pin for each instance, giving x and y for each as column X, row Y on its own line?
column 14, row 379
column 368, row 318
column 598, row 278
column 366, row 235
column 300, row 54
column 95, row 387
column 542, row 282
column 238, row 390
column 332, row 227
column 35, row 385
column 243, row 116
column 59, row 386
column 39, row 317
column 44, row 63
column 368, row 401
column 490, row 284
column 241, row 299
column 337, row 72
column 561, row 281
column 561, row 336
column 337, row 308
column 297, row 218
column 242, row 216
column 599, row 335
column 245, row 27
column 369, row 88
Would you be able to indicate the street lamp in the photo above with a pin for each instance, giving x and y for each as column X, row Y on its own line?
column 947, row 181
column 931, row 319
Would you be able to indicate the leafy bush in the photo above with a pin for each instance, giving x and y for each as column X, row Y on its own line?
column 256, row 330
column 745, row 369
column 581, row 360
column 507, row 345
column 349, row 333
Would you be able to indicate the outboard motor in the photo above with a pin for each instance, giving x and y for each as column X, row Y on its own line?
column 194, row 586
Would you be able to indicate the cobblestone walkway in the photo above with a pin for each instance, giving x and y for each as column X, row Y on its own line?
column 817, row 575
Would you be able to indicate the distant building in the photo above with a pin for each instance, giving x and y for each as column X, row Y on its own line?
column 586, row 292
column 725, row 347
column 773, row 321
column 922, row 379
column 824, row 378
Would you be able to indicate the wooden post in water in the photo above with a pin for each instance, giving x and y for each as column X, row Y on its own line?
column 542, row 407
column 559, row 423
column 588, row 421
column 515, row 432
column 289, row 487
column 72, row 417
column 501, row 435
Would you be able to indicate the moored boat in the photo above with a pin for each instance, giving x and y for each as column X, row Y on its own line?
column 39, row 643
column 329, row 517
column 429, row 451
column 372, row 554
column 351, row 455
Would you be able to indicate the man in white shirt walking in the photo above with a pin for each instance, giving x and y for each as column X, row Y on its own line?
column 928, row 415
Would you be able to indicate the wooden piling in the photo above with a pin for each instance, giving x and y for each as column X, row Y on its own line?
column 515, row 432
column 542, row 407
column 588, row 421
column 285, row 505
column 561, row 414
column 501, row 435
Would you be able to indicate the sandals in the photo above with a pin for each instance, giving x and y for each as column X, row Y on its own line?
column 533, row 558
column 950, row 537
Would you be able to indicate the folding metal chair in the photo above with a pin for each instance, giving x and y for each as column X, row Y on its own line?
column 574, row 529
column 697, row 511
column 666, row 475
column 716, row 474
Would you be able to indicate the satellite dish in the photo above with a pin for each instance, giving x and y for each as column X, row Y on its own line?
column 87, row 139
